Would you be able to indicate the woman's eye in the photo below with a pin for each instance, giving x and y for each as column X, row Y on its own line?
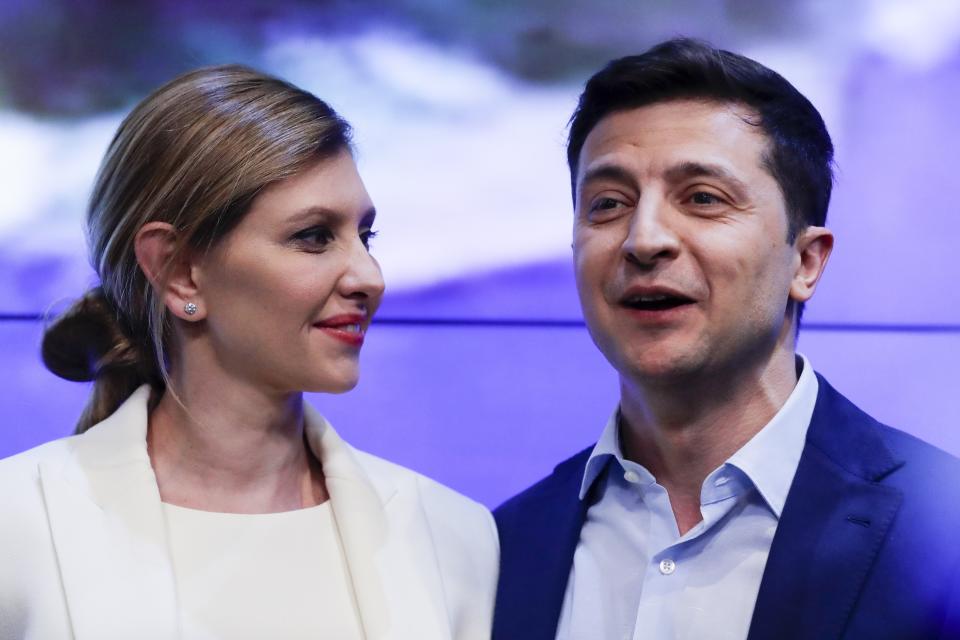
column 315, row 237
column 366, row 236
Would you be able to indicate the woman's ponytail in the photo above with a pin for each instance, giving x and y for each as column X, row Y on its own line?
column 88, row 343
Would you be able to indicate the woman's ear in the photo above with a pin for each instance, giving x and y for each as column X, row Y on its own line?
column 155, row 246
column 813, row 246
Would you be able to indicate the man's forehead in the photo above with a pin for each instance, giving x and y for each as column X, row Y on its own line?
column 677, row 135
column 705, row 118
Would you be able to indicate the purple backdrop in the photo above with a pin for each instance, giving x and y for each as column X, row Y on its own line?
column 464, row 160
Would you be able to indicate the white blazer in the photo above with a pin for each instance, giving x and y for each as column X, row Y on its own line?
column 84, row 551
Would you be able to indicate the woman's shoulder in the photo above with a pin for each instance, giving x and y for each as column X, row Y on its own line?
column 464, row 539
column 30, row 595
column 121, row 434
column 23, row 509
column 431, row 492
column 400, row 475
column 452, row 516
column 24, row 467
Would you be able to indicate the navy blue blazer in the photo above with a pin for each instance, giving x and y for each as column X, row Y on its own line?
column 868, row 544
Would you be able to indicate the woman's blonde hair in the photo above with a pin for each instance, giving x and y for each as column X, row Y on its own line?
column 194, row 154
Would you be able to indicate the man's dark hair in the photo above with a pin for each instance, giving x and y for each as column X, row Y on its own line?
column 800, row 157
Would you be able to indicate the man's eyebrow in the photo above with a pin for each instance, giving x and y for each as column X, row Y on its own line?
column 686, row 170
column 612, row 172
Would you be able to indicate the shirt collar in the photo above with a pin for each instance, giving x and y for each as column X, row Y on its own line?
column 769, row 459
column 607, row 448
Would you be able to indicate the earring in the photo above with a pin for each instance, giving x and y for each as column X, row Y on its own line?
column 190, row 308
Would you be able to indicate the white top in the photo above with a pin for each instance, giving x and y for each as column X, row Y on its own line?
column 273, row 575
column 635, row 577
column 85, row 550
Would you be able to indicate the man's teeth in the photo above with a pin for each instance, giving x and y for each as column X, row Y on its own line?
column 656, row 301
column 654, row 298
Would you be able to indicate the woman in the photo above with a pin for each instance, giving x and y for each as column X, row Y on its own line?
column 203, row 498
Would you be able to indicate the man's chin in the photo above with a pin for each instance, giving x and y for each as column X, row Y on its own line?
column 657, row 368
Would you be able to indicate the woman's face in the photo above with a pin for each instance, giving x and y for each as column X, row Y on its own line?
column 289, row 293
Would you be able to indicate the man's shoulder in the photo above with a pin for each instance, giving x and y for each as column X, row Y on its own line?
column 926, row 477
column 925, row 469
column 911, row 448
column 563, row 483
column 906, row 452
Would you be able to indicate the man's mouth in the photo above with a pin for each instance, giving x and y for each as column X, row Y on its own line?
column 655, row 301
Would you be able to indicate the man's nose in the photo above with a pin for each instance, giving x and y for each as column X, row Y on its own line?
column 651, row 237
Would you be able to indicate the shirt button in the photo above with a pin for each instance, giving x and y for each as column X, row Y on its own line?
column 722, row 480
column 631, row 477
column 667, row 566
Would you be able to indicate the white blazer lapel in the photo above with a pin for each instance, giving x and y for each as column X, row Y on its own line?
column 108, row 529
column 386, row 542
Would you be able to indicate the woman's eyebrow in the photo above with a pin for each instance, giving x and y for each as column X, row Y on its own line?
column 313, row 212
column 327, row 214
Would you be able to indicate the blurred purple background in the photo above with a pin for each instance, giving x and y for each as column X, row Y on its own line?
column 460, row 113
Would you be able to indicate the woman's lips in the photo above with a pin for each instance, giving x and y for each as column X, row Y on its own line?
column 346, row 328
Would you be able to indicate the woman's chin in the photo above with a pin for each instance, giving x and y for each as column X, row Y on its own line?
column 333, row 385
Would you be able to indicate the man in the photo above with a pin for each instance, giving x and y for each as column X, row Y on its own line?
column 733, row 493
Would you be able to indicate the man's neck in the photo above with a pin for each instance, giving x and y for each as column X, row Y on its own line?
column 684, row 430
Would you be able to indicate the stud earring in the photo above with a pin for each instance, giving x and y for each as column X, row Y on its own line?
column 190, row 309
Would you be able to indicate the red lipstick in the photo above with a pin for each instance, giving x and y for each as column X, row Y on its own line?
column 347, row 328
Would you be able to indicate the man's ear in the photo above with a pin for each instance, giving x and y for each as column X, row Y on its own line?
column 155, row 245
column 813, row 246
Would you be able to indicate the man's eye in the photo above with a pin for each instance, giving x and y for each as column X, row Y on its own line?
column 316, row 237
column 604, row 204
column 367, row 236
column 704, row 198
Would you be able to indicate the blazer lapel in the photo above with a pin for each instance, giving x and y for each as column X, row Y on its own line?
column 385, row 540
column 833, row 524
column 537, row 543
column 108, row 530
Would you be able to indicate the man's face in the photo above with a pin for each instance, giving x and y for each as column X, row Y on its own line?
column 680, row 241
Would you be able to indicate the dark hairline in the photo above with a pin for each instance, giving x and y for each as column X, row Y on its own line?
column 799, row 152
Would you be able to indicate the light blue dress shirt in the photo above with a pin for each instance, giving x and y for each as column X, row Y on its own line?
column 634, row 577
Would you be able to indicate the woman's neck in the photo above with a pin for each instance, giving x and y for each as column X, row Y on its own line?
column 229, row 447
